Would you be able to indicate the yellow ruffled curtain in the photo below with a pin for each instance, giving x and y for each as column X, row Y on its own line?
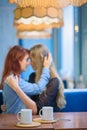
column 35, row 34
column 35, row 3
column 35, row 18
column 46, row 3
column 38, row 15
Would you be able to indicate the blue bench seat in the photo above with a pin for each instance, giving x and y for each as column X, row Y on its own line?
column 76, row 100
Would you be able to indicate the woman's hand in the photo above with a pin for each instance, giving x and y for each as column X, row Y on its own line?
column 12, row 81
column 47, row 61
column 3, row 107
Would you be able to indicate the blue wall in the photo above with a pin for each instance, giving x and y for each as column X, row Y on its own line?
column 7, row 32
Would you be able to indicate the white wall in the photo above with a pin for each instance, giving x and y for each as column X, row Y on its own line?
column 67, row 43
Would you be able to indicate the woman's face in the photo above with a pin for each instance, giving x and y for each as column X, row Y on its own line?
column 24, row 63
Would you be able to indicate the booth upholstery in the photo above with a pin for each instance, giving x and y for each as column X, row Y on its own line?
column 76, row 100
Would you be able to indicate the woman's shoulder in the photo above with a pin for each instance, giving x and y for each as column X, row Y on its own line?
column 53, row 82
column 55, row 79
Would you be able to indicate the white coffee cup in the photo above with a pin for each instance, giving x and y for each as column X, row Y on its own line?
column 25, row 116
column 46, row 113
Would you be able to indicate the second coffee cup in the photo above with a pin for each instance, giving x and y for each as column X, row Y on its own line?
column 46, row 113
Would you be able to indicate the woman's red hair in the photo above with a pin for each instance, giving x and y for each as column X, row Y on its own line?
column 12, row 65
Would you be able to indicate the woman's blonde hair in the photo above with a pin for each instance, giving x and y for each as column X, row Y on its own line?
column 37, row 53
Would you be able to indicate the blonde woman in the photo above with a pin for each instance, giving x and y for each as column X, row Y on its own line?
column 53, row 95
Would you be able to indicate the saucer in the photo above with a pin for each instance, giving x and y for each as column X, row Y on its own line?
column 43, row 121
column 33, row 124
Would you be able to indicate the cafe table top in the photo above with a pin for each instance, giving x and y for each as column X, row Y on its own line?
column 64, row 121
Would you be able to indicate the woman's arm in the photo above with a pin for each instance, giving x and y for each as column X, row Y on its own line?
column 3, row 107
column 28, row 102
column 36, row 88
